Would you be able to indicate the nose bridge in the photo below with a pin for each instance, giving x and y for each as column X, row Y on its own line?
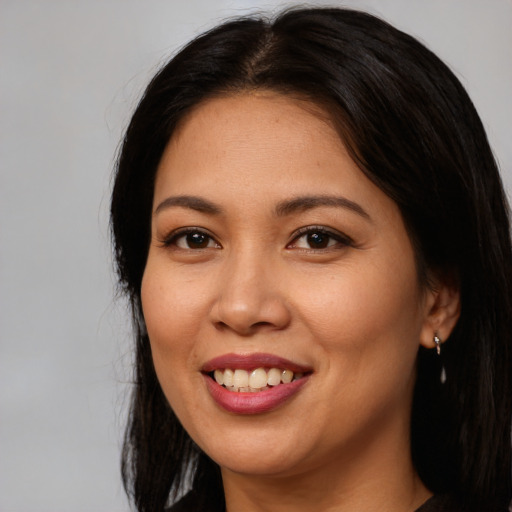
column 249, row 297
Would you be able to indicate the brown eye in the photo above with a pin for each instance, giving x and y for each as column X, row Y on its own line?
column 192, row 240
column 196, row 240
column 317, row 239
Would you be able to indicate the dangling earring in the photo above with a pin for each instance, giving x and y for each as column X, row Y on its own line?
column 437, row 341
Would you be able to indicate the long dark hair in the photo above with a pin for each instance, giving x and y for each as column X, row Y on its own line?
column 412, row 129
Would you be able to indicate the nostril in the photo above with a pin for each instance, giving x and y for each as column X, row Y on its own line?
column 261, row 324
column 220, row 326
column 244, row 329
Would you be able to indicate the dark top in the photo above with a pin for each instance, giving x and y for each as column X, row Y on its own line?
column 434, row 504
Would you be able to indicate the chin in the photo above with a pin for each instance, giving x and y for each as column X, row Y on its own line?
column 254, row 464
column 257, row 451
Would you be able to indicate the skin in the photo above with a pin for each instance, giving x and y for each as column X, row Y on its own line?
column 352, row 309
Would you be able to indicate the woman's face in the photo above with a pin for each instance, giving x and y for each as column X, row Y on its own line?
column 271, row 251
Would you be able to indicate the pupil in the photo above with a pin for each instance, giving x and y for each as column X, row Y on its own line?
column 318, row 240
column 197, row 240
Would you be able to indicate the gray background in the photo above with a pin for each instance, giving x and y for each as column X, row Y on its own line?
column 71, row 73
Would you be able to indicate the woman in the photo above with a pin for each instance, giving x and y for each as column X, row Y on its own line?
column 313, row 235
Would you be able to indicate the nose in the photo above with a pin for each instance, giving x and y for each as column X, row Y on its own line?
column 249, row 298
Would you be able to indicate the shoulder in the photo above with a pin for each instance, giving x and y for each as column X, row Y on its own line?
column 437, row 504
column 446, row 504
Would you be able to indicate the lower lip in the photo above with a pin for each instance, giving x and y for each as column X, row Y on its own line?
column 253, row 403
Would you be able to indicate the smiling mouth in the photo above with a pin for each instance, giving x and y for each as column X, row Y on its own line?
column 259, row 379
column 253, row 383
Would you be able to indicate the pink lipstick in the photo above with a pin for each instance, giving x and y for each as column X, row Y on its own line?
column 251, row 362
column 253, row 402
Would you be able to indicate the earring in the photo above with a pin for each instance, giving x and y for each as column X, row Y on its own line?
column 437, row 341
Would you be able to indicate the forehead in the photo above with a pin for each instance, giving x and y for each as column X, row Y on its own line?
column 256, row 116
column 248, row 136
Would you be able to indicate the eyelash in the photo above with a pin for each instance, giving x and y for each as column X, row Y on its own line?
column 172, row 238
column 340, row 239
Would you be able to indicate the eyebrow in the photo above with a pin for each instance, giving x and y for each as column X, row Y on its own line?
column 304, row 203
column 282, row 209
column 193, row 202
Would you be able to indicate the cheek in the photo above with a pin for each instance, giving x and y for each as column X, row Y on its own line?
column 172, row 308
column 367, row 291
column 365, row 326
column 359, row 311
column 172, row 311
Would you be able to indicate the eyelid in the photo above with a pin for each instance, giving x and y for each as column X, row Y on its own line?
column 170, row 239
column 343, row 239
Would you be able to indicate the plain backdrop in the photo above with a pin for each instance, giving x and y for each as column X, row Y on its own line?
column 71, row 72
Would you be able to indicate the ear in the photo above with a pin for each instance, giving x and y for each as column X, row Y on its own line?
column 442, row 310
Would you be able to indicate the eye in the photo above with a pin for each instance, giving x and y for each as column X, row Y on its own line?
column 190, row 238
column 318, row 238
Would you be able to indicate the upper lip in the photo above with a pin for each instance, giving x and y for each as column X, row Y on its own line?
column 251, row 362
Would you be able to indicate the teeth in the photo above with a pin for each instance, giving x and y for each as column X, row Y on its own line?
column 228, row 377
column 257, row 380
column 241, row 379
column 286, row 376
column 274, row 377
column 219, row 377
